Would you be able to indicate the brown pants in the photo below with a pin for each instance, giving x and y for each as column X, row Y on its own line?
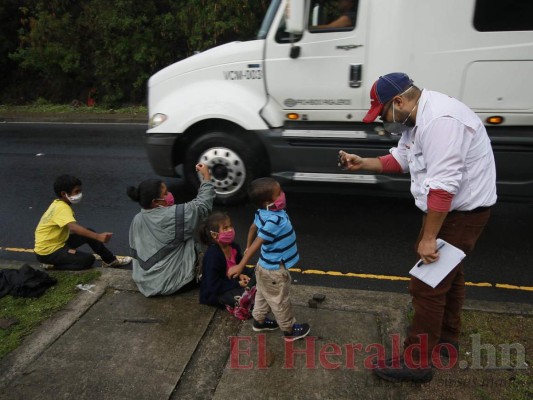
column 273, row 288
column 438, row 310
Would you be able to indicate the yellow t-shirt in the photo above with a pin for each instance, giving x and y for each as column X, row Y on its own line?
column 52, row 231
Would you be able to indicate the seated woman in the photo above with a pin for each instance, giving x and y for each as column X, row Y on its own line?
column 161, row 236
column 216, row 289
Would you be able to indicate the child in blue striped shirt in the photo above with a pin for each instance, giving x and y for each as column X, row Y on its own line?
column 272, row 231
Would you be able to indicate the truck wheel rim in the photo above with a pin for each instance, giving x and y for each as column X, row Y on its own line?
column 228, row 171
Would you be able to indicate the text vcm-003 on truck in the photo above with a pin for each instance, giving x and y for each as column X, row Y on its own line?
column 284, row 104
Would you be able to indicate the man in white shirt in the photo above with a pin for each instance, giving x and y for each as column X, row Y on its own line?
column 445, row 147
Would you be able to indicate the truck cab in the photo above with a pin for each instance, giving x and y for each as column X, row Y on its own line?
column 284, row 104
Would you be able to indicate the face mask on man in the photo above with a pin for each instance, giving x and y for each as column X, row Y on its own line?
column 396, row 127
column 75, row 199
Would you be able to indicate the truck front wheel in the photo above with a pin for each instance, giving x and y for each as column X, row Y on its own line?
column 232, row 165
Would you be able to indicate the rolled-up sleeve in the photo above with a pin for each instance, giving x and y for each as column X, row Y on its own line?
column 390, row 165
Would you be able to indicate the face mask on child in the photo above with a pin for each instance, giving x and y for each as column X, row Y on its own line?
column 169, row 198
column 226, row 237
column 75, row 199
column 279, row 203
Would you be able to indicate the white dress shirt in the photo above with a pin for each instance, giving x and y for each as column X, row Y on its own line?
column 448, row 149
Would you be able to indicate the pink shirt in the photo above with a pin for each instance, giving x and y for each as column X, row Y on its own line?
column 230, row 262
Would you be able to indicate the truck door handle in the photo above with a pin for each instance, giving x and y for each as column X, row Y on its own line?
column 355, row 75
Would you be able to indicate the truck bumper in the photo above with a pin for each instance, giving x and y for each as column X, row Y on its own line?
column 160, row 149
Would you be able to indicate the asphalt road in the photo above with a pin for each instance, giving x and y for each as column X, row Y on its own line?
column 337, row 233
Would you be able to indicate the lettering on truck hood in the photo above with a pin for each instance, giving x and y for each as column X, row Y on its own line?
column 215, row 58
column 253, row 71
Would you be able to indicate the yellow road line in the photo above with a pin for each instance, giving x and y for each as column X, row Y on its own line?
column 401, row 278
column 479, row 284
column 16, row 249
column 349, row 274
column 513, row 287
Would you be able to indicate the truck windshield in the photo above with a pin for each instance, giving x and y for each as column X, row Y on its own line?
column 269, row 17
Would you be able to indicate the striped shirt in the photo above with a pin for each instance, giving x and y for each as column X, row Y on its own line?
column 279, row 246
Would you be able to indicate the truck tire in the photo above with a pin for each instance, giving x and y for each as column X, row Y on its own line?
column 232, row 164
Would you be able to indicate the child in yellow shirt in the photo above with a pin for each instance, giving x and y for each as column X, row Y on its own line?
column 58, row 235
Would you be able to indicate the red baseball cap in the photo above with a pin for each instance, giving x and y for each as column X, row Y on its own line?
column 383, row 90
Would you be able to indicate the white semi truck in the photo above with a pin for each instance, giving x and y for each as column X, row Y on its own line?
column 284, row 104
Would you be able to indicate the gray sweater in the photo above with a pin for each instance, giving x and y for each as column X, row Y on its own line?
column 162, row 243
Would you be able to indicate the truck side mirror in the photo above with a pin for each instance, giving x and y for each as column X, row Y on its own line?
column 295, row 16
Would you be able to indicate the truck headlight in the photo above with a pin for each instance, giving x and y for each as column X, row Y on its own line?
column 157, row 119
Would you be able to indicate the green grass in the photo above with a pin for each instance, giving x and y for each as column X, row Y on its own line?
column 495, row 330
column 31, row 312
column 41, row 106
column 521, row 387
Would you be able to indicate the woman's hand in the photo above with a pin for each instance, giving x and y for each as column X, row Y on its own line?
column 204, row 171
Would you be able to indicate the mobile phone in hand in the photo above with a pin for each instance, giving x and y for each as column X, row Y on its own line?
column 340, row 162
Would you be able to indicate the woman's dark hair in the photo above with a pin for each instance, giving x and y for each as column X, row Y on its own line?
column 147, row 191
column 261, row 191
column 65, row 183
column 211, row 223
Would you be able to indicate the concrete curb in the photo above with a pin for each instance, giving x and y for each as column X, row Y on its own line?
column 52, row 329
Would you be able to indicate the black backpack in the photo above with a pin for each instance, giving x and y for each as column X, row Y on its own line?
column 24, row 282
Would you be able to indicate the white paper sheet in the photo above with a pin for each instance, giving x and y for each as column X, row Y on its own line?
column 432, row 274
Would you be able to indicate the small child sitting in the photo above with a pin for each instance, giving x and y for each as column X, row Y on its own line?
column 216, row 289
